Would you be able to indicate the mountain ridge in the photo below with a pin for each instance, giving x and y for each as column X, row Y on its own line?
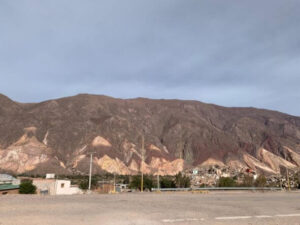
column 186, row 130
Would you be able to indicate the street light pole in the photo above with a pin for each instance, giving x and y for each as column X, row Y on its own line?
column 142, row 175
column 90, row 175
column 114, row 182
column 158, row 184
column 287, row 176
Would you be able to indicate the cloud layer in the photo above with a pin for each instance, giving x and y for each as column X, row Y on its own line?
column 232, row 53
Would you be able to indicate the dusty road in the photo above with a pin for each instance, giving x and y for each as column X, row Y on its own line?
column 152, row 208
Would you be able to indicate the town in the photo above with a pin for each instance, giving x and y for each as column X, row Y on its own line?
column 199, row 177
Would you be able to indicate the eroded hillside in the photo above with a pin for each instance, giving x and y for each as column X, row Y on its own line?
column 58, row 135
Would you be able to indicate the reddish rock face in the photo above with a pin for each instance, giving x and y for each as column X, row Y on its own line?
column 58, row 135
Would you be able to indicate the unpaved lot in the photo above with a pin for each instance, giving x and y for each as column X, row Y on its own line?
column 152, row 208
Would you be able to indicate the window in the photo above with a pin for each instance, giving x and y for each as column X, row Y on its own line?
column 62, row 185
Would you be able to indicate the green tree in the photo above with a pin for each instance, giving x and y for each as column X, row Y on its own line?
column 136, row 182
column 226, row 182
column 166, row 182
column 261, row 181
column 182, row 181
column 84, row 184
column 26, row 187
column 248, row 181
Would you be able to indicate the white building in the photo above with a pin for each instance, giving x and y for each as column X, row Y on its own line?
column 50, row 176
column 56, row 187
column 8, row 179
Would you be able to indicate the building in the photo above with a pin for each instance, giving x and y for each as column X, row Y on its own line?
column 50, row 176
column 122, row 188
column 8, row 179
column 9, row 189
column 55, row 187
column 105, row 187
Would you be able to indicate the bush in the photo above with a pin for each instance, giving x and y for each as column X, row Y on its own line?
column 167, row 182
column 136, row 183
column 226, row 182
column 26, row 187
column 182, row 181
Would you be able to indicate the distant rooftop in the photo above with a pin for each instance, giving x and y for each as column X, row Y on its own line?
column 6, row 177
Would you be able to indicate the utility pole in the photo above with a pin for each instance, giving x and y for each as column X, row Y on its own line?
column 181, row 156
column 142, row 173
column 114, row 182
column 90, row 176
column 287, row 176
column 288, row 179
column 158, row 185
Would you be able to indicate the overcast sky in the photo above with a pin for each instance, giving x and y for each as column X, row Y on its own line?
column 231, row 53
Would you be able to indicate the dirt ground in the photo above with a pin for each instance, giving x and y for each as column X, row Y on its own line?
column 152, row 208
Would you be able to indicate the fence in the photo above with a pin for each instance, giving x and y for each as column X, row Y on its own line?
column 220, row 189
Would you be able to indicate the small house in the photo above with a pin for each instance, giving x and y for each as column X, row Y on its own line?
column 9, row 189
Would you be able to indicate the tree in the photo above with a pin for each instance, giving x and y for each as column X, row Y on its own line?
column 26, row 187
column 261, row 181
column 167, row 182
column 136, row 183
column 226, row 182
column 248, row 181
column 182, row 181
column 84, row 184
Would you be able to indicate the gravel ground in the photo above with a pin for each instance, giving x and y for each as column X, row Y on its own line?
column 152, row 208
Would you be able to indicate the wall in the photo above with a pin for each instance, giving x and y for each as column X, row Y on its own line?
column 43, row 185
column 9, row 192
column 63, row 187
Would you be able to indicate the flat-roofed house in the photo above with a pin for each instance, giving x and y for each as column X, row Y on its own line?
column 8, row 179
column 9, row 189
column 55, row 187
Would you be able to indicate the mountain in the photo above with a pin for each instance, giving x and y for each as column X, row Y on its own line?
column 58, row 136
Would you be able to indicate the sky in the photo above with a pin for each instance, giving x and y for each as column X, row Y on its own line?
column 231, row 53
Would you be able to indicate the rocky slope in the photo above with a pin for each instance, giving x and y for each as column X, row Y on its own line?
column 58, row 135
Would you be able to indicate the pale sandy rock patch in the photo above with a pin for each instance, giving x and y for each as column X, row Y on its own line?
column 212, row 162
column 112, row 165
column 273, row 161
column 101, row 141
column 154, row 148
column 253, row 163
column 77, row 160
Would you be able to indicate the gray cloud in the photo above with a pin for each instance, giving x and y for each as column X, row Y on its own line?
column 232, row 53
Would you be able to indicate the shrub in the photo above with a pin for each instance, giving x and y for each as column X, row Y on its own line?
column 226, row 182
column 26, row 187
